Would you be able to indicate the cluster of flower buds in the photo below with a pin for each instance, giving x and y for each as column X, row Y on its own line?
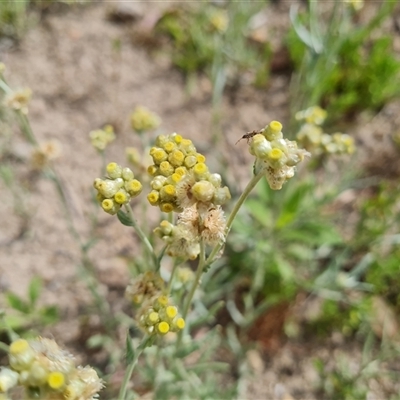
column 144, row 286
column 117, row 188
column 143, row 120
column 47, row 372
column 157, row 314
column 19, row 100
column 276, row 157
column 219, row 20
column 195, row 224
column 315, row 140
column 181, row 177
column 312, row 115
column 159, row 317
column 356, row 5
column 101, row 138
column 45, row 153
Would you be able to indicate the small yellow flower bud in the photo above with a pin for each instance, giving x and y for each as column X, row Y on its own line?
column 166, row 207
column 221, row 196
column 200, row 158
column 133, row 187
column 203, row 191
column 175, row 178
column 163, row 327
column 143, row 120
column 137, row 298
column 127, row 174
column 114, row 170
column 121, row 197
column 187, row 146
column 166, row 227
column 171, row 312
column 178, row 139
column 180, row 323
column 21, row 355
column 56, row 380
column 181, row 170
column 37, row 374
column 19, row 346
column 167, row 193
column 273, row 131
column 157, row 183
column 153, row 197
column 275, row 154
column 176, row 158
column 162, row 301
column 215, row 179
column 200, row 170
column 159, row 156
column 132, row 155
column 166, row 168
column 261, row 146
column 152, row 170
column 109, row 206
column 153, row 318
column 169, row 146
column 190, row 161
column 161, row 139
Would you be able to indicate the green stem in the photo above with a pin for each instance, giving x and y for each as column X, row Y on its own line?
column 4, row 87
column 130, row 369
column 250, row 186
column 200, row 269
column 23, row 120
column 52, row 175
column 142, row 236
column 103, row 162
column 171, row 278
column 26, row 128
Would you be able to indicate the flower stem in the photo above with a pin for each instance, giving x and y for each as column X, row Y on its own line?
column 130, row 368
column 200, row 269
column 171, row 278
column 142, row 236
column 250, row 186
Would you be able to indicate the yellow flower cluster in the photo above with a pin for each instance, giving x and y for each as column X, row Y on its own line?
column 357, row 5
column 19, row 100
column 181, row 177
column 144, row 286
column 143, row 120
column 101, row 138
column 160, row 316
column 117, row 188
column 45, row 153
column 219, row 21
column 47, row 372
column 275, row 156
column 157, row 314
column 315, row 140
column 195, row 224
column 313, row 115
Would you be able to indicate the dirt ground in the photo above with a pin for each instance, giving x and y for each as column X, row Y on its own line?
column 80, row 82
